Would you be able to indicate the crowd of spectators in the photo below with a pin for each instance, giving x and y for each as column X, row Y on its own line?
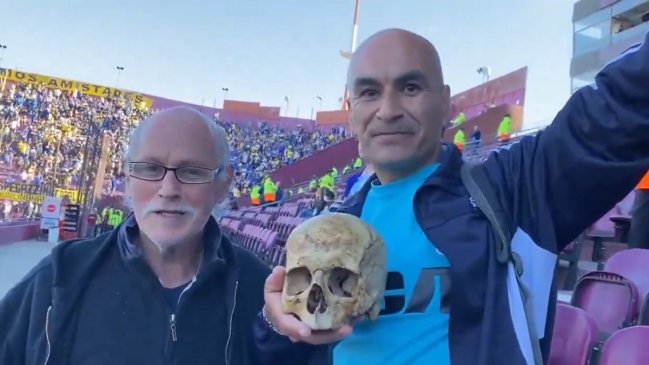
column 43, row 133
column 261, row 149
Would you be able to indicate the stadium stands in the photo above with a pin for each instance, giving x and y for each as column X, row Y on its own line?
column 46, row 130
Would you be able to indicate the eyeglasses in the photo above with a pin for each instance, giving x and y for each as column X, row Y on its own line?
column 150, row 171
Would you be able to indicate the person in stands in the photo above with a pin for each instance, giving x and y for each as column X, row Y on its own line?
column 166, row 286
column 639, row 231
column 505, row 129
column 356, row 181
column 459, row 139
column 450, row 298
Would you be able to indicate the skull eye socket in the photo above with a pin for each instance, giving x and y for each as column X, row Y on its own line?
column 297, row 280
column 342, row 282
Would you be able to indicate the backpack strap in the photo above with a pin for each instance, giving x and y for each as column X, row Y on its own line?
column 485, row 198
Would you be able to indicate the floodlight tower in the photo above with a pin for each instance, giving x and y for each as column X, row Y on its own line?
column 348, row 54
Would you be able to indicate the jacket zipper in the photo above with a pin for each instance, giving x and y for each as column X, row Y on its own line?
column 234, row 306
column 47, row 335
column 172, row 326
column 172, row 317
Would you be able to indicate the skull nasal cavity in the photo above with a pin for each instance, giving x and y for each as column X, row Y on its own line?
column 316, row 300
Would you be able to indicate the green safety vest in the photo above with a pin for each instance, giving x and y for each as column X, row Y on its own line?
column 358, row 163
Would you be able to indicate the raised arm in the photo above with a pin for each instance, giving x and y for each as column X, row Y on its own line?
column 587, row 160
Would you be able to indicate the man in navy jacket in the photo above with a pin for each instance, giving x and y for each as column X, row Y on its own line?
column 165, row 287
column 550, row 187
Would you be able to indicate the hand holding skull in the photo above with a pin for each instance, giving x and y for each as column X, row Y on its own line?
column 335, row 272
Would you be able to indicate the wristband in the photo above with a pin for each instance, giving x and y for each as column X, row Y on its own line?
column 268, row 322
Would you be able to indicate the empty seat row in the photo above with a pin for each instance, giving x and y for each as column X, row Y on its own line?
column 575, row 341
column 623, row 286
column 606, row 305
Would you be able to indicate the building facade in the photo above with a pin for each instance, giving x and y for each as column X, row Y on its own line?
column 602, row 29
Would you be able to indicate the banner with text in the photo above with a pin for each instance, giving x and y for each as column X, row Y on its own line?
column 71, row 85
column 34, row 193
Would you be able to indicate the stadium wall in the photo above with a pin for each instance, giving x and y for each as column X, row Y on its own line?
column 488, row 123
column 508, row 89
column 317, row 164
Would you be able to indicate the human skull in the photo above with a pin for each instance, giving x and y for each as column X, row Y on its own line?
column 335, row 271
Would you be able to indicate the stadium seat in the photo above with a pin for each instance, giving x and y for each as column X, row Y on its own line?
column 628, row 346
column 643, row 318
column 575, row 334
column 633, row 264
column 610, row 299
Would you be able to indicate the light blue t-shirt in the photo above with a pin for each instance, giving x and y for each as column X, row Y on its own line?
column 412, row 327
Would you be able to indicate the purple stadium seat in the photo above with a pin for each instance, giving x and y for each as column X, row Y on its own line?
column 633, row 264
column 262, row 219
column 270, row 239
column 643, row 318
column 575, row 334
column 627, row 347
column 610, row 299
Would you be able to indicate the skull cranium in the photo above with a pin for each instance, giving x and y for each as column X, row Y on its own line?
column 335, row 271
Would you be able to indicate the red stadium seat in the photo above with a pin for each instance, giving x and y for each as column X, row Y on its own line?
column 627, row 347
column 575, row 334
column 610, row 299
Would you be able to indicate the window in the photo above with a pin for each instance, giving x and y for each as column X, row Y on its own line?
column 626, row 5
column 595, row 18
column 592, row 38
column 630, row 19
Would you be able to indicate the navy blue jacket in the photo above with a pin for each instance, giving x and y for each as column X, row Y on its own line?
column 551, row 187
column 97, row 302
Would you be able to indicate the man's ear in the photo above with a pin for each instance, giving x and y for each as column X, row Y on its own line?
column 225, row 185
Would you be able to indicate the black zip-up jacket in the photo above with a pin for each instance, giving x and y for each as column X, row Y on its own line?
column 94, row 302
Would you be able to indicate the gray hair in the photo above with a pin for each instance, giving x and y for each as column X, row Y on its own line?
column 217, row 131
column 218, row 134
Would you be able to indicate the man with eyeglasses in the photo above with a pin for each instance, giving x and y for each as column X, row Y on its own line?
column 163, row 287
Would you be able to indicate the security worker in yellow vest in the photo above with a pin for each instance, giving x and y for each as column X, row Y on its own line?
column 115, row 218
column 105, row 216
column 505, row 129
column 270, row 190
column 327, row 181
column 358, row 163
column 254, row 196
column 459, row 139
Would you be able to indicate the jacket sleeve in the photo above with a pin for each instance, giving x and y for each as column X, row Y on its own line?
column 269, row 347
column 587, row 160
column 13, row 333
column 21, row 312
column 350, row 184
column 273, row 348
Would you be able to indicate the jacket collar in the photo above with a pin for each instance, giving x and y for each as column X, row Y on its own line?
column 74, row 263
column 446, row 177
column 216, row 251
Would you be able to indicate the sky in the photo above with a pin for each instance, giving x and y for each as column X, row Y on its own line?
column 264, row 50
